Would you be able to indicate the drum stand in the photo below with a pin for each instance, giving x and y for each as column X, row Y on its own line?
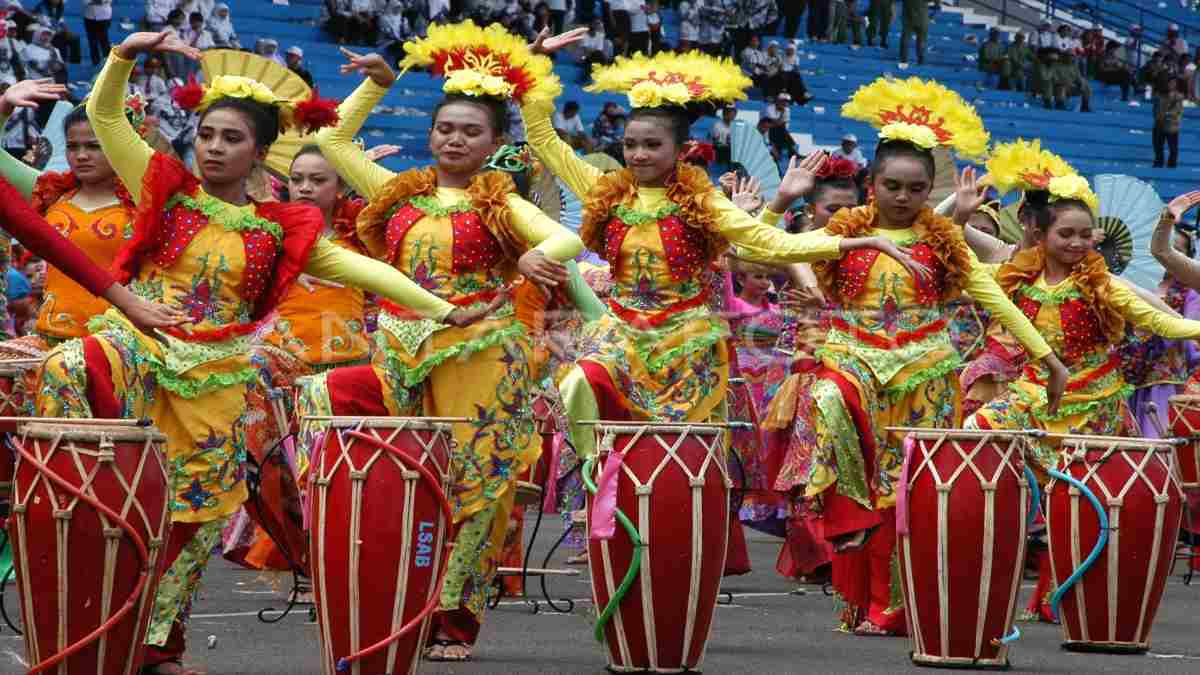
column 1188, row 540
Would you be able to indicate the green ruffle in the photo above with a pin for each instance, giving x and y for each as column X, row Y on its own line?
column 1046, row 297
column 1080, row 408
column 910, row 383
column 635, row 217
column 190, row 389
column 644, row 341
column 414, row 375
column 429, row 205
column 228, row 216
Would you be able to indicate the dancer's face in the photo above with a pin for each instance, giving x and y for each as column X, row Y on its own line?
column 84, row 156
column 462, row 138
column 650, row 150
column 830, row 202
column 313, row 181
column 225, row 147
column 902, row 186
column 1069, row 237
column 756, row 283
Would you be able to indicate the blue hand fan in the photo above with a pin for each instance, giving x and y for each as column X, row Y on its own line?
column 1129, row 210
column 748, row 148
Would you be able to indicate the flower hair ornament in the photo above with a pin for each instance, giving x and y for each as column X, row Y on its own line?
column 234, row 74
column 837, row 168
column 672, row 79
column 923, row 113
column 1026, row 166
column 487, row 62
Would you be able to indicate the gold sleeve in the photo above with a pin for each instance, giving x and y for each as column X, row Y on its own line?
column 1144, row 316
column 537, row 228
column 128, row 153
column 982, row 286
column 579, row 176
column 337, row 143
column 334, row 263
column 759, row 242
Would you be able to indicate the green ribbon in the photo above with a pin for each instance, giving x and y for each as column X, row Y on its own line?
column 635, row 565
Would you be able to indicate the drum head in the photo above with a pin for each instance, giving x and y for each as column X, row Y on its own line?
column 441, row 424
column 14, row 367
column 81, row 430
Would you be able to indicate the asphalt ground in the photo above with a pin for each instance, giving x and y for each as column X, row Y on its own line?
column 766, row 629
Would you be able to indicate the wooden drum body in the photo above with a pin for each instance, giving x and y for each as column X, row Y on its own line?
column 1184, row 422
column 377, row 539
column 962, row 557
column 76, row 565
column 1112, row 606
column 275, row 502
column 14, row 401
column 673, row 484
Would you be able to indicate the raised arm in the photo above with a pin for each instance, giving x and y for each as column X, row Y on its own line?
column 337, row 143
column 1141, row 314
column 547, row 236
column 560, row 157
column 25, row 94
column 1184, row 269
column 334, row 263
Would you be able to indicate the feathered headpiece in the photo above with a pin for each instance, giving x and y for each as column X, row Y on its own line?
column 672, row 79
column 483, row 62
column 923, row 113
column 1025, row 165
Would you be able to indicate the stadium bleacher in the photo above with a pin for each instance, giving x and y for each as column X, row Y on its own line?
column 1115, row 138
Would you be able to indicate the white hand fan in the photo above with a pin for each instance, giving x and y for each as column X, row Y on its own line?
column 1129, row 210
column 748, row 148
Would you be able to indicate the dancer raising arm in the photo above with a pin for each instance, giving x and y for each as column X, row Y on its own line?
column 201, row 245
column 463, row 232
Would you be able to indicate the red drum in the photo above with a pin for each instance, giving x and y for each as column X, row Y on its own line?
column 673, row 484
column 377, row 537
column 14, row 402
column 81, row 567
column 532, row 481
column 1112, row 606
column 961, row 543
column 1184, row 419
column 275, row 503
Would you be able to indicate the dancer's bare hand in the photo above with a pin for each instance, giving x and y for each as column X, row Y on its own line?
column 970, row 193
column 542, row 270
column 147, row 316
column 310, row 283
column 747, row 194
column 1056, row 384
column 801, row 176
column 380, row 151
column 465, row 316
column 1182, row 204
column 903, row 256
column 30, row 94
column 373, row 66
column 801, row 297
column 163, row 41
column 545, row 43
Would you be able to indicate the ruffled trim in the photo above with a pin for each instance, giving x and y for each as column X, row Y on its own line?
column 345, row 214
column 1070, row 409
column 215, row 211
column 301, row 227
column 488, row 193
column 646, row 340
column 939, row 233
column 1090, row 278
column 935, row 372
column 191, row 389
column 688, row 189
column 53, row 186
column 414, row 375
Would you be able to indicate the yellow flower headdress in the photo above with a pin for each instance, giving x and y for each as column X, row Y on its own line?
column 672, row 79
column 1025, row 165
column 920, row 112
column 235, row 74
column 483, row 62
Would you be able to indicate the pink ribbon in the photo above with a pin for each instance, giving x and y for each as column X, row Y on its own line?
column 902, row 489
column 550, row 501
column 604, row 502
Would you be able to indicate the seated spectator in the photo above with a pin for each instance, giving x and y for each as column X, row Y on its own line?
column 268, row 48
column 220, row 28
column 569, row 125
column 721, row 135
column 11, row 68
column 178, row 65
column 21, row 131
column 41, row 58
column 158, row 13
column 774, row 122
column 1113, row 69
column 689, row 25
column 351, row 21
column 394, row 29
column 50, row 13
column 714, row 16
column 850, row 151
column 773, row 77
column 608, row 131
column 295, row 63
column 1045, row 38
column 196, row 35
column 595, row 47
column 1062, row 80
column 1018, row 64
column 991, row 58
column 790, row 78
column 153, row 84
column 754, row 63
column 1175, row 42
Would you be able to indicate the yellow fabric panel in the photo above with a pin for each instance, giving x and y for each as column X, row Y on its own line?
column 100, row 233
column 578, row 175
column 336, row 264
column 337, row 143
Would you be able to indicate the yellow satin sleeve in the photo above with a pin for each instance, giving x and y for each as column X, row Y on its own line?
column 337, row 143
column 128, row 152
column 1141, row 314
column 982, row 286
column 758, row 242
column 537, row 228
column 578, row 175
column 333, row 263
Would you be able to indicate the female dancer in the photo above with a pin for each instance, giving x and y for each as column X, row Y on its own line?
column 461, row 232
column 200, row 245
column 888, row 355
column 660, row 353
column 87, row 204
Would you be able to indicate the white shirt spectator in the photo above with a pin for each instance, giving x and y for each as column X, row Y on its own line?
column 205, row 7
column 773, row 112
column 637, row 19
column 97, row 10
column 689, row 21
column 21, row 131
column 393, row 25
column 158, row 95
column 40, row 60
column 438, row 8
column 856, row 156
column 1044, row 39
column 220, row 28
column 720, row 133
column 199, row 39
column 570, row 127
column 713, row 18
column 157, row 10
column 754, row 61
column 593, row 42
